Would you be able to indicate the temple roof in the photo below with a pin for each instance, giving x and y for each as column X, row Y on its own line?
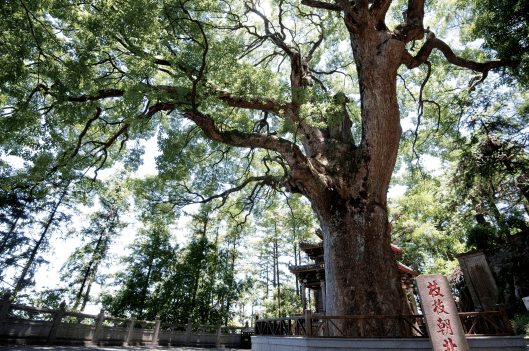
column 309, row 244
column 406, row 269
column 396, row 249
column 315, row 249
column 306, row 267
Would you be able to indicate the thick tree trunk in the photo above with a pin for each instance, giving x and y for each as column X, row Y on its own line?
column 361, row 271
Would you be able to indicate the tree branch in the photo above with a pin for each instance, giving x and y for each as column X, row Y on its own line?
column 263, row 180
column 277, row 38
column 379, row 8
column 103, row 94
column 290, row 151
column 412, row 28
column 321, row 5
column 433, row 43
column 252, row 103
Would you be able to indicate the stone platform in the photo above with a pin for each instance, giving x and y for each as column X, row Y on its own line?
column 282, row 343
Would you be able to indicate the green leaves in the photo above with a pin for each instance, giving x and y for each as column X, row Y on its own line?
column 428, row 229
column 505, row 30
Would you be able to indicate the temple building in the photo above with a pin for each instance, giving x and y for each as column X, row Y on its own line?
column 312, row 276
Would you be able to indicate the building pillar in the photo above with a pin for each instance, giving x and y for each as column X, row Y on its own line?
column 304, row 296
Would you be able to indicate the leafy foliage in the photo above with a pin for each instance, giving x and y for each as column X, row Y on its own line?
column 520, row 324
column 159, row 279
column 482, row 237
column 429, row 230
column 505, row 30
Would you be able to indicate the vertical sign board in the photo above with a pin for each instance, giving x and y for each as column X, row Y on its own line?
column 440, row 311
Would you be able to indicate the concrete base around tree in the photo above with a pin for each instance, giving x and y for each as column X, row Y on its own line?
column 281, row 343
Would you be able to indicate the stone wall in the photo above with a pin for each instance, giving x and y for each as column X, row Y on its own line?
column 20, row 324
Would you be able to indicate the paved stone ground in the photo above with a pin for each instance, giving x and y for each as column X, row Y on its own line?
column 105, row 348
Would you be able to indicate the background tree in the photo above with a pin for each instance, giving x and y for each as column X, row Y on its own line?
column 430, row 230
column 82, row 269
column 43, row 228
column 146, row 267
column 13, row 211
column 300, row 224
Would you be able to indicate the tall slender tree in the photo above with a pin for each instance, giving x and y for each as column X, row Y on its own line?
column 146, row 267
column 52, row 218
column 13, row 211
column 82, row 269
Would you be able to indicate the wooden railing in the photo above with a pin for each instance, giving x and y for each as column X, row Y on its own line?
column 44, row 325
column 313, row 325
column 494, row 323
column 295, row 326
column 487, row 323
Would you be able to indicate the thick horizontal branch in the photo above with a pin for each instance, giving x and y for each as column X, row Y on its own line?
column 103, row 94
column 233, row 100
column 253, row 103
column 434, row 43
column 321, row 5
column 290, row 151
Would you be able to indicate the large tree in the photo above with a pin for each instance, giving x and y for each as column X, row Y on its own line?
column 246, row 96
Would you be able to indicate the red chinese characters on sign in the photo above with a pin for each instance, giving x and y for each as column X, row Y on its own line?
column 438, row 307
column 440, row 312
column 450, row 345
column 444, row 326
column 434, row 289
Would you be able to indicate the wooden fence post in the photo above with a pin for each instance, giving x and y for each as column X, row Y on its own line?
column 296, row 326
column 99, row 325
column 57, row 322
column 361, row 327
column 506, row 321
column 308, row 322
column 6, row 305
column 219, row 332
column 130, row 330
column 189, row 330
